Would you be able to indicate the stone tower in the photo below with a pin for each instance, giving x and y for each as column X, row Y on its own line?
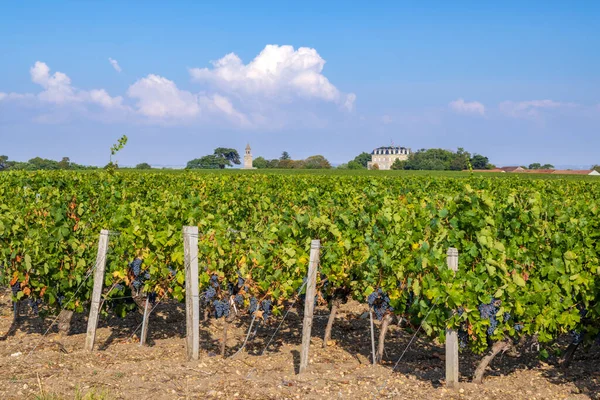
column 248, row 158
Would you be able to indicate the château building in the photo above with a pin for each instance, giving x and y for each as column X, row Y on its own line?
column 248, row 158
column 384, row 157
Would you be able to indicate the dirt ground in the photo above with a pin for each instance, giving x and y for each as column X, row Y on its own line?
column 119, row 368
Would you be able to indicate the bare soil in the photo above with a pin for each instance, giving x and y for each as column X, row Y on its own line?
column 119, row 368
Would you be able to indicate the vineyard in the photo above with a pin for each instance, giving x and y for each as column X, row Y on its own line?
column 528, row 269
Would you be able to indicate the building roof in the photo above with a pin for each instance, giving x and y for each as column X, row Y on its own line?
column 535, row 171
column 511, row 169
column 486, row 170
column 248, row 146
column 574, row 171
column 388, row 148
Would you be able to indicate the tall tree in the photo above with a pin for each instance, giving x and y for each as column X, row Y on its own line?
column 480, row 162
column 231, row 155
column 260, row 163
column 3, row 162
column 363, row 158
column 316, row 162
column 285, row 156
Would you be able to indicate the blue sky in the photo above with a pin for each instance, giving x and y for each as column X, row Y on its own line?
column 518, row 83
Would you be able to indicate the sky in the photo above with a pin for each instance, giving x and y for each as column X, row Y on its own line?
column 518, row 82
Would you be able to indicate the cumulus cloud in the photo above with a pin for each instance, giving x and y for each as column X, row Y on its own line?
column 115, row 64
column 278, row 72
column 58, row 90
column 280, row 86
column 464, row 107
column 159, row 97
column 531, row 108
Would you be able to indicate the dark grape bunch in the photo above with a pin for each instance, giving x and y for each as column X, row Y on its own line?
column 210, row 294
column 221, row 308
column 577, row 337
column 34, row 304
column 488, row 311
column 214, row 281
column 15, row 288
column 239, row 300
column 463, row 338
column 136, row 269
column 380, row 303
column 253, row 305
column 152, row 298
column 266, row 307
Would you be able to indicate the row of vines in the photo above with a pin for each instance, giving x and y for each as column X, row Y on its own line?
column 529, row 249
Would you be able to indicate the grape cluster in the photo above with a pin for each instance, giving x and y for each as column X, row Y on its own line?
column 460, row 311
column 253, row 305
column 15, row 287
column 152, row 298
column 34, row 304
column 488, row 311
column 518, row 327
column 214, row 281
column 209, row 294
column 463, row 338
column 506, row 316
column 266, row 307
column 239, row 300
column 136, row 269
column 380, row 303
column 221, row 308
column 577, row 337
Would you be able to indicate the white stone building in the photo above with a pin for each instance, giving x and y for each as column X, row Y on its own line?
column 248, row 158
column 384, row 157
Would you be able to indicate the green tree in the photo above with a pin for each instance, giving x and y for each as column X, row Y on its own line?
column 3, row 163
column 65, row 163
column 398, row 164
column 143, row 166
column 354, row 165
column 547, row 166
column 596, row 167
column 260, row 163
column 285, row 156
column 535, row 166
column 363, row 158
column 480, row 162
column 316, row 162
column 461, row 160
column 207, row 162
column 231, row 155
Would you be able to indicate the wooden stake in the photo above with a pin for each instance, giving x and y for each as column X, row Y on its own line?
column 309, row 303
column 144, row 334
column 452, row 372
column 97, row 292
column 192, row 305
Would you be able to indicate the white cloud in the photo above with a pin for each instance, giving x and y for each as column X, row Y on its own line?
column 278, row 72
column 115, row 64
column 463, row 107
column 531, row 108
column 158, row 97
column 58, row 90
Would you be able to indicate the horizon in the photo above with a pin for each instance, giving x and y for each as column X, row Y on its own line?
column 516, row 83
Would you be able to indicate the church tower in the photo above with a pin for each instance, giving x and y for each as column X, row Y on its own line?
column 248, row 158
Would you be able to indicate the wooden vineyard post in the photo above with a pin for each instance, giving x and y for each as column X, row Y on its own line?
column 144, row 334
column 192, row 302
column 309, row 303
column 452, row 373
column 97, row 292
